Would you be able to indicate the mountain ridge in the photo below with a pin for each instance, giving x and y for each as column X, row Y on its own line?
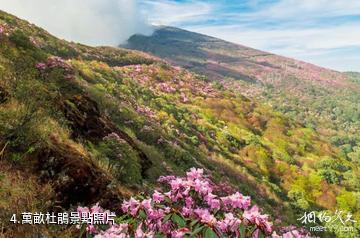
column 171, row 38
column 261, row 52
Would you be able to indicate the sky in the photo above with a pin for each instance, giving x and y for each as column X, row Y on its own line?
column 323, row 32
column 92, row 22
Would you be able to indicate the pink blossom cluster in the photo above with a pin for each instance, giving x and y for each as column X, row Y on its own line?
column 85, row 212
column 2, row 30
column 190, row 206
column 34, row 42
column 144, row 79
column 56, row 62
column 146, row 111
column 184, row 98
column 113, row 136
column 138, row 68
column 167, row 88
column 115, row 231
column 291, row 232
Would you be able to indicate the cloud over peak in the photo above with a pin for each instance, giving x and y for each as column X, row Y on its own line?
column 92, row 22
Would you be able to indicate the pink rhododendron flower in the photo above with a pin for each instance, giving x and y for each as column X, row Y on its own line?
column 205, row 216
column 253, row 215
column 176, row 184
column 115, row 231
column 237, row 200
column 167, row 88
column 158, row 197
column 146, row 204
column 56, row 62
column 179, row 233
column 184, row 98
column 165, row 179
column 41, row 66
column 138, row 68
column 229, row 223
column 195, row 173
column 191, row 203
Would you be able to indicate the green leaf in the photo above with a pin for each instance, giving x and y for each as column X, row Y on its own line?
column 82, row 230
column 252, row 230
column 178, row 220
column 242, row 230
column 167, row 217
column 193, row 223
column 261, row 234
column 209, row 233
column 142, row 214
column 89, row 236
column 196, row 231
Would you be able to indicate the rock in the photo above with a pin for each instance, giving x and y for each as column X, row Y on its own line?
column 88, row 122
column 4, row 95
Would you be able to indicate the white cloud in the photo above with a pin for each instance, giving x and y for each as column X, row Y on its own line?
column 318, row 31
column 166, row 12
column 328, row 47
column 93, row 22
column 302, row 38
column 311, row 8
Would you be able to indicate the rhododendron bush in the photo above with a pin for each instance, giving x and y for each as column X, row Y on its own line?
column 193, row 207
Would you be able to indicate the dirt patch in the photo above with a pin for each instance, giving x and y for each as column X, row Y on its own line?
column 87, row 122
column 75, row 178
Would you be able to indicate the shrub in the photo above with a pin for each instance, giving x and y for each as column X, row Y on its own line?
column 122, row 159
column 193, row 207
column 21, row 40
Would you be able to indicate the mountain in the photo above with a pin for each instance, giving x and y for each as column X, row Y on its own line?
column 219, row 59
column 319, row 98
column 81, row 125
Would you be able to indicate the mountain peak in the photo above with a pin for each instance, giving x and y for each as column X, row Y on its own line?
column 217, row 58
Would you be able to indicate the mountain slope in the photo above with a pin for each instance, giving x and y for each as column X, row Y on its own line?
column 218, row 59
column 322, row 99
column 80, row 125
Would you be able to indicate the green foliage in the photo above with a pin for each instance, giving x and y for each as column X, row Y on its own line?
column 330, row 170
column 355, row 155
column 21, row 40
column 346, row 201
column 298, row 197
column 122, row 160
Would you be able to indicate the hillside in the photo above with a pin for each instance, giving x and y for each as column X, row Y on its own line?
column 322, row 99
column 80, row 125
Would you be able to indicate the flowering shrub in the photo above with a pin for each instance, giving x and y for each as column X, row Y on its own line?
column 56, row 62
column 165, row 87
column 191, row 208
column 85, row 212
column 184, row 98
column 122, row 161
column 146, row 111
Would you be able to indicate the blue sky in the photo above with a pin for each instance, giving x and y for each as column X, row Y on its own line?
column 323, row 32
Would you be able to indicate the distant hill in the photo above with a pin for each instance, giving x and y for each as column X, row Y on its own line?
column 320, row 98
column 217, row 58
